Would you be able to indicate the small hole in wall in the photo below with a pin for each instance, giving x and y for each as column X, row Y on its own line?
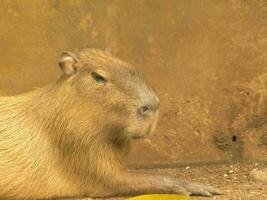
column 234, row 138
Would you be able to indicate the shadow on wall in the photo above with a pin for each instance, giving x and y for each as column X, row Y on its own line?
column 207, row 60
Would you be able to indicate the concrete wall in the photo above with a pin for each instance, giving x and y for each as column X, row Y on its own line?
column 207, row 59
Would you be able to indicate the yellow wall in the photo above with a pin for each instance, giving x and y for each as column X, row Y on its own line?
column 206, row 59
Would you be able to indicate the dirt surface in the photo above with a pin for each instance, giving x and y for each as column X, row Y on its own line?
column 234, row 180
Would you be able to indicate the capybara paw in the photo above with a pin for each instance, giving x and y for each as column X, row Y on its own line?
column 198, row 189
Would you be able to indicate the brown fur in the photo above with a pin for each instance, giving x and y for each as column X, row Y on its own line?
column 69, row 139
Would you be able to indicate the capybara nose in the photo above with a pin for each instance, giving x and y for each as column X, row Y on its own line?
column 149, row 108
column 145, row 110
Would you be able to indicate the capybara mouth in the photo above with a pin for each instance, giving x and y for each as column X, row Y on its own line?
column 137, row 137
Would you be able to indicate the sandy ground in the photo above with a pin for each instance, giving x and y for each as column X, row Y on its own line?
column 234, row 180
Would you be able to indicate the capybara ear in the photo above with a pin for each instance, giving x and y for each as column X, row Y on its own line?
column 68, row 62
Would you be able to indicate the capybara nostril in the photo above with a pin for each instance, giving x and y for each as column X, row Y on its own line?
column 149, row 108
column 145, row 110
column 149, row 104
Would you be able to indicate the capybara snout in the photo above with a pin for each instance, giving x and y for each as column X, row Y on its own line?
column 149, row 103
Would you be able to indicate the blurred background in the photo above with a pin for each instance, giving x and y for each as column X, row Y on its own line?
column 206, row 59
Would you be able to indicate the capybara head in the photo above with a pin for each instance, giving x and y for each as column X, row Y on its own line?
column 121, row 103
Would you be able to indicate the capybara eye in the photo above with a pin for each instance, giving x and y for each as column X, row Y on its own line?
column 98, row 77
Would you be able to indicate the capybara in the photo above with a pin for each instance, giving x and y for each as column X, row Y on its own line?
column 69, row 139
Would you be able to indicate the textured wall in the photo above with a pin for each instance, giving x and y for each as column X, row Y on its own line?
column 207, row 59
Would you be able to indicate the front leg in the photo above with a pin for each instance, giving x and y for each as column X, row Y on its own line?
column 131, row 184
